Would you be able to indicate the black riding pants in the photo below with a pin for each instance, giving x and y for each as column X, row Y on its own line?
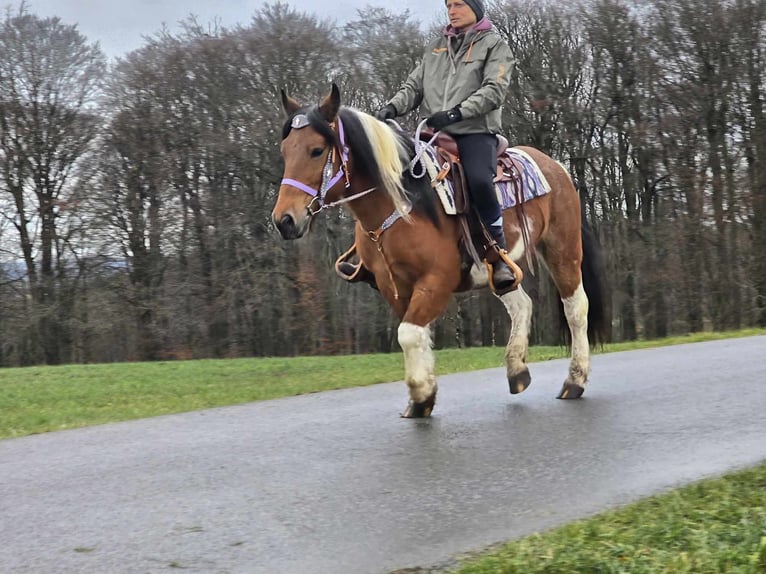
column 478, row 155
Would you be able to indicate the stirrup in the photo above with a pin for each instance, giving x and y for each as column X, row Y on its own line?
column 342, row 265
column 518, row 274
column 353, row 272
column 347, row 270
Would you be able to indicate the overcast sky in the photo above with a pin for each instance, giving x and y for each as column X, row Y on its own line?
column 118, row 25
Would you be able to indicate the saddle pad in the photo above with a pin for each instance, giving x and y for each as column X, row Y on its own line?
column 533, row 182
column 443, row 188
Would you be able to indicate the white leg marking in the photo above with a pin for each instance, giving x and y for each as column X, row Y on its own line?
column 418, row 361
column 576, row 311
column 519, row 307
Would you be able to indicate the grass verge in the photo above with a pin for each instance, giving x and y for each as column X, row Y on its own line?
column 41, row 399
column 711, row 527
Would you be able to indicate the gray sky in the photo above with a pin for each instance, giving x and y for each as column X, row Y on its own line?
column 118, row 25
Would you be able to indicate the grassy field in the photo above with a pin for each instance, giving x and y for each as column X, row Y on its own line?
column 716, row 526
column 41, row 399
column 712, row 527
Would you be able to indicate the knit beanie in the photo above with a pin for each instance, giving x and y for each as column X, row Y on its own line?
column 477, row 6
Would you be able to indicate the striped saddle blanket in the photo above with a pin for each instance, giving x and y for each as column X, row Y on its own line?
column 515, row 170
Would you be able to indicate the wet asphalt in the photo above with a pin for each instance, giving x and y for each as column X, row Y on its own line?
column 337, row 483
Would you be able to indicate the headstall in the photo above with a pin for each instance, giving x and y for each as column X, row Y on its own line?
column 329, row 180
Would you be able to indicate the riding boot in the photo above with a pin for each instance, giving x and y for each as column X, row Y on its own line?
column 351, row 268
column 354, row 271
column 347, row 269
column 502, row 276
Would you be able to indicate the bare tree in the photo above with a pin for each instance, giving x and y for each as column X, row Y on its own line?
column 49, row 79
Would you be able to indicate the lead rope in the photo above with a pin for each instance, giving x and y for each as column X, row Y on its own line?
column 420, row 148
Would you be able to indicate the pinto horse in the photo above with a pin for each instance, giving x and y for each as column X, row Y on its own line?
column 337, row 155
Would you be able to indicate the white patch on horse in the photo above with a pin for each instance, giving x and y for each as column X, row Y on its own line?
column 519, row 307
column 419, row 375
column 517, row 250
column 479, row 276
column 576, row 311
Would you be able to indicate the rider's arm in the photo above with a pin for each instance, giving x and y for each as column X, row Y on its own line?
column 411, row 93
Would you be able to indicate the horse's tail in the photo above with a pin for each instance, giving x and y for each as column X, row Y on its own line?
column 594, row 283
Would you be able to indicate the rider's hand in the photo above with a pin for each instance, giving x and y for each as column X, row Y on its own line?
column 441, row 120
column 388, row 112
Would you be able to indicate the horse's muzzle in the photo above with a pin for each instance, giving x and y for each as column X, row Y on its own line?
column 288, row 228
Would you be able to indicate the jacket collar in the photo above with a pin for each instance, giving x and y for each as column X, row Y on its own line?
column 480, row 26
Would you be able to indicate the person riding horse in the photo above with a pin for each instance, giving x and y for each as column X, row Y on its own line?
column 460, row 85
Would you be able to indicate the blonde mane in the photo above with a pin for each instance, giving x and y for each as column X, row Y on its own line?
column 392, row 158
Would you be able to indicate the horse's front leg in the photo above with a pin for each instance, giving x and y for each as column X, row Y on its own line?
column 519, row 307
column 419, row 375
column 426, row 304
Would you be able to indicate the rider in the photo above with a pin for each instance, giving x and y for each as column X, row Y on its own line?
column 460, row 85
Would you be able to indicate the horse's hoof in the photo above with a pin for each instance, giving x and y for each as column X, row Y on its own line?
column 519, row 382
column 571, row 391
column 419, row 410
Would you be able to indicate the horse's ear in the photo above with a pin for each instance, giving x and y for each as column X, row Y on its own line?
column 289, row 104
column 331, row 104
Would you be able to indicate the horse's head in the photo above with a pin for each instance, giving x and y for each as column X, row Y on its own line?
column 314, row 159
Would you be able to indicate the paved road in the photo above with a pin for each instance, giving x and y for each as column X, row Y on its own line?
column 337, row 482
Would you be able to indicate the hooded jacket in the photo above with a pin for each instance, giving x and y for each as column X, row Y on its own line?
column 472, row 70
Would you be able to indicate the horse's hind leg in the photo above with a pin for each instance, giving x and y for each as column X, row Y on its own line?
column 576, row 311
column 519, row 307
column 565, row 270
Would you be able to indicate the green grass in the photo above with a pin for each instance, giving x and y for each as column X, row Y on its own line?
column 714, row 526
column 41, row 399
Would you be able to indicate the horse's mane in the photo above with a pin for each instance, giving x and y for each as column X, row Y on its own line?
column 382, row 154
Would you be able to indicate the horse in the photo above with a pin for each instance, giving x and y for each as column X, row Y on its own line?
column 337, row 155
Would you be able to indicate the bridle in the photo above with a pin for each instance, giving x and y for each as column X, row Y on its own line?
column 329, row 180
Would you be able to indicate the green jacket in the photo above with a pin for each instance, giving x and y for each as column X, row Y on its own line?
column 472, row 71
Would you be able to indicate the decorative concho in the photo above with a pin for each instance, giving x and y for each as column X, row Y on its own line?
column 299, row 121
column 326, row 175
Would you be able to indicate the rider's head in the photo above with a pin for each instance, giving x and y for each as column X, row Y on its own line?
column 464, row 13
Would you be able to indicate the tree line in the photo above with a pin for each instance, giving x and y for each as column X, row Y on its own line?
column 135, row 197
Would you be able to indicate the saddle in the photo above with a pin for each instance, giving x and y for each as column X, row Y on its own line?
column 475, row 238
column 478, row 245
column 508, row 168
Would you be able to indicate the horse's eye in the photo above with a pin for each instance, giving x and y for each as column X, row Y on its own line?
column 317, row 151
